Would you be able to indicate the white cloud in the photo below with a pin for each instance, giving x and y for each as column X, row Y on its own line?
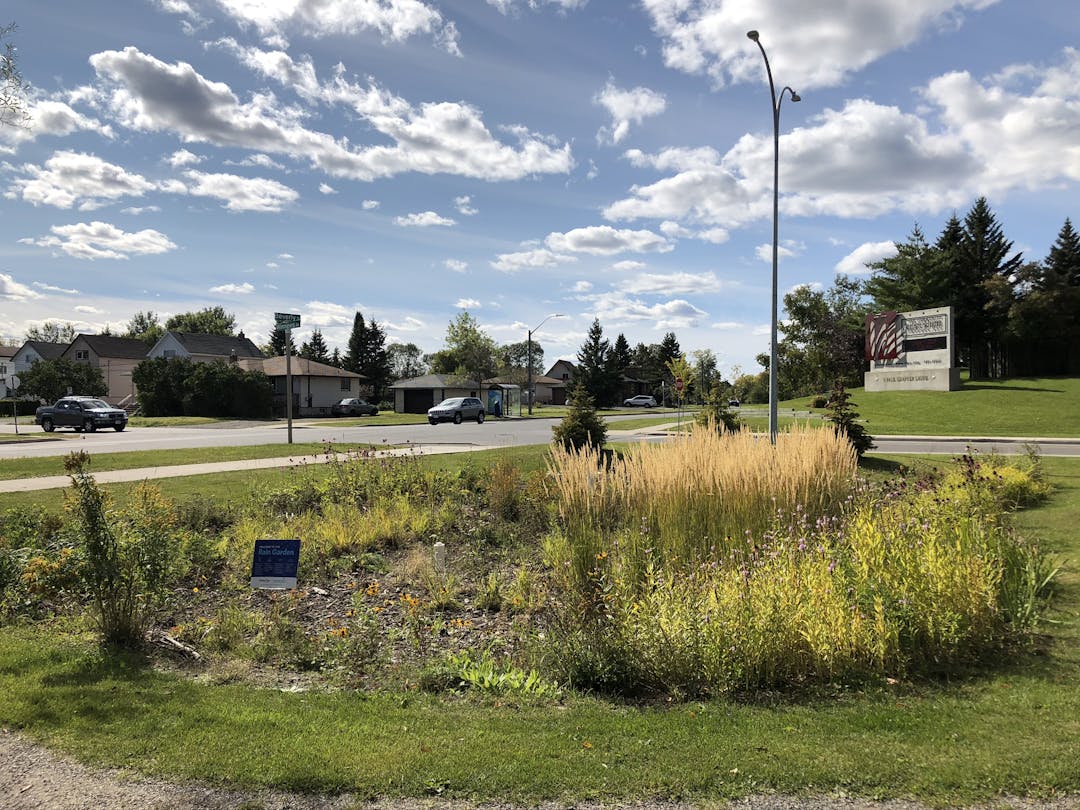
column 325, row 188
column 425, row 219
column 234, row 289
column 86, row 309
column 259, row 160
column 456, row 265
column 464, row 206
column 667, row 284
column 288, row 257
column 241, row 193
column 616, row 309
column 53, row 118
column 369, row 205
column 182, row 157
column 507, row 6
column 629, row 264
column 11, row 290
column 603, row 240
column 717, row 236
column 582, row 287
column 627, row 107
column 50, row 288
column 68, row 178
column 410, row 324
column 325, row 313
column 100, row 240
column 394, row 20
column 809, row 50
column 434, row 138
column 467, row 303
column 138, row 210
column 530, row 259
column 785, row 250
column 855, row 262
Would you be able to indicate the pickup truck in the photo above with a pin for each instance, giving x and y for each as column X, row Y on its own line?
column 80, row 413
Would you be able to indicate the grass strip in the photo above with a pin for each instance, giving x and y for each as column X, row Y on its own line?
column 54, row 465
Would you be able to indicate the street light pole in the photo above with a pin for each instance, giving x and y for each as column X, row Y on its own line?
column 776, row 102
column 528, row 357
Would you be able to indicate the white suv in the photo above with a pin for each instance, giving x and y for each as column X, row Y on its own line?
column 456, row 409
column 640, row 401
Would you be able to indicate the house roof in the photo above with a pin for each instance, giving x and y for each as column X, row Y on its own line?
column 275, row 367
column 8, row 351
column 116, row 347
column 549, row 381
column 45, row 349
column 436, row 381
column 217, row 345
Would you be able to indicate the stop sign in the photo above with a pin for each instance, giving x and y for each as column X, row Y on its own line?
column 678, row 384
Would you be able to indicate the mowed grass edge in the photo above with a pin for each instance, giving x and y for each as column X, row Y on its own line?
column 1014, row 732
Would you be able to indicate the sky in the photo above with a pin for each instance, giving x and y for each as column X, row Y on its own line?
column 410, row 159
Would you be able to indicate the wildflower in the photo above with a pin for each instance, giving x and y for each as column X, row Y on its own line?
column 195, row 589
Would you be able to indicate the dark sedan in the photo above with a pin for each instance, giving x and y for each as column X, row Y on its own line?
column 354, row 407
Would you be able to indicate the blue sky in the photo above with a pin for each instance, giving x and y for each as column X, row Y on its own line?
column 516, row 158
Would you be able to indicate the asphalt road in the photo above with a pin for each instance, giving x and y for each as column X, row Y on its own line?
column 493, row 433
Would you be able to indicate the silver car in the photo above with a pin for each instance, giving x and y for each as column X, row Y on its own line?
column 456, row 409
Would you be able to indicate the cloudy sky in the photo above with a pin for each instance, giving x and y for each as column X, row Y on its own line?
column 516, row 158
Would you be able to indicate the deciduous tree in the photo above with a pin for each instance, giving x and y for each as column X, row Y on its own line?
column 208, row 321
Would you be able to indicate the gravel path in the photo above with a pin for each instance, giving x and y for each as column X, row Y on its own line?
column 34, row 778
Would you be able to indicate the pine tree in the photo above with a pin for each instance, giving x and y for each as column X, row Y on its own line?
column 596, row 371
column 357, row 342
column 335, row 358
column 620, row 354
column 845, row 420
column 374, row 364
column 582, row 425
column 278, row 340
column 315, row 348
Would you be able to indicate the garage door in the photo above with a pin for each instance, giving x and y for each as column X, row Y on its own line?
column 417, row 400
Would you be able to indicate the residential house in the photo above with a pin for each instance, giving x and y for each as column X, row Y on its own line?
column 418, row 394
column 549, row 391
column 34, row 350
column 202, row 348
column 315, row 386
column 116, row 357
column 7, row 369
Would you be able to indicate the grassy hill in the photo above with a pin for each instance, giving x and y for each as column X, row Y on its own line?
column 1027, row 406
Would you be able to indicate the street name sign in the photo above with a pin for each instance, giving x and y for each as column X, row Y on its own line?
column 286, row 320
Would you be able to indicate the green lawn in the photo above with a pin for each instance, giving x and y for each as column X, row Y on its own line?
column 100, row 462
column 1016, row 407
column 975, row 738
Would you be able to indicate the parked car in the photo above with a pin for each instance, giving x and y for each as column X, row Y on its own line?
column 80, row 413
column 354, row 407
column 640, row 401
column 456, row 409
column 733, row 403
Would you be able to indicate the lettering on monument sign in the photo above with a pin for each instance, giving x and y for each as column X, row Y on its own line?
column 275, row 563
column 919, row 338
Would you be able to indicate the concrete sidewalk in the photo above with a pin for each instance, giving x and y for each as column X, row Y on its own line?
column 178, row 471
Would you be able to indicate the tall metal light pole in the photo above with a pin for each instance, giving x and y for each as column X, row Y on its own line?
column 776, row 102
column 528, row 357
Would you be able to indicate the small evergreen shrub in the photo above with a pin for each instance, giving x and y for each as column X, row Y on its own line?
column 582, row 426
column 845, row 420
column 717, row 414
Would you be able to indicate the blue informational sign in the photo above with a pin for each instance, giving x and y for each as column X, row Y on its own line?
column 275, row 564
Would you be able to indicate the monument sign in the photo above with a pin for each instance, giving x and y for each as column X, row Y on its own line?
column 911, row 351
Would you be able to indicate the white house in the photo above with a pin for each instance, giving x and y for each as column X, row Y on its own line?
column 34, row 350
column 7, row 369
column 202, row 348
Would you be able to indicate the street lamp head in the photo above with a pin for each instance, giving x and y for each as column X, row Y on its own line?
column 795, row 96
column 752, row 35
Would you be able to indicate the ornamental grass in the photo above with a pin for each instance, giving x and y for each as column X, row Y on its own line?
column 719, row 563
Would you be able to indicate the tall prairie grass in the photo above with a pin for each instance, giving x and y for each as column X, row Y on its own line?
column 720, row 563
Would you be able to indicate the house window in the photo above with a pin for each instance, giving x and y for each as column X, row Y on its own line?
column 346, row 384
column 82, row 354
column 168, row 354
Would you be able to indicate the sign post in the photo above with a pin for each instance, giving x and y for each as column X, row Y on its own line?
column 275, row 564
column 678, row 393
column 13, row 384
column 286, row 322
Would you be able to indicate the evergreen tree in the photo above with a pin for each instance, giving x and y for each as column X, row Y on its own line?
column 354, row 354
column 374, row 364
column 279, row 338
column 621, row 356
column 315, row 348
column 582, row 425
column 335, row 358
column 912, row 279
column 596, row 371
column 845, row 420
column 669, row 349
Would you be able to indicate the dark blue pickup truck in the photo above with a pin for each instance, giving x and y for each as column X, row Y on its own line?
column 80, row 413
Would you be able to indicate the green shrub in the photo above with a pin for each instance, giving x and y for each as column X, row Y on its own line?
column 845, row 420
column 716, row 414
column 581, row 427
column 129, row 553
